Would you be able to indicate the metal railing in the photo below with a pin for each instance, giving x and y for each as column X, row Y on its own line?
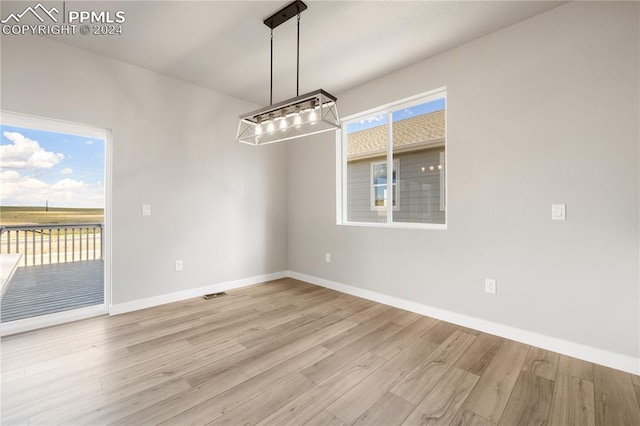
column 47, row 244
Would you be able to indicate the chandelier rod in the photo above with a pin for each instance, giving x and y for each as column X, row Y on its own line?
column 298, row 60
column 283, row 15
column 271, row 73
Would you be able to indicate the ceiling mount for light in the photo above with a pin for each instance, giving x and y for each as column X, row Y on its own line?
column 307, row 114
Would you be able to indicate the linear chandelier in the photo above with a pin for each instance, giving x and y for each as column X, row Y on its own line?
column 304, row 115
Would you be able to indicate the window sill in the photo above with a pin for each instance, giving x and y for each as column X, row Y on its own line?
column 397, row 225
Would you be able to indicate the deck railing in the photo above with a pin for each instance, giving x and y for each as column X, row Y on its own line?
column 47, row 244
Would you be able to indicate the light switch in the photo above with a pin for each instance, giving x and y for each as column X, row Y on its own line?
column 490, row 286
column 146, row 210
column 558, row 212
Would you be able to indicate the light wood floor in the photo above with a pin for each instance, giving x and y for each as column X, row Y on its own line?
column 288, row 352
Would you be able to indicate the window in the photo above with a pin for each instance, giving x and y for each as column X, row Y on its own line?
column 379, row 185
column 411, row 135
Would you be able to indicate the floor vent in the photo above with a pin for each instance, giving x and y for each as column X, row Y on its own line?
column 214, row 295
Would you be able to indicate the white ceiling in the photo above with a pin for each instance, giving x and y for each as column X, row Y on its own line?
column 225, row 46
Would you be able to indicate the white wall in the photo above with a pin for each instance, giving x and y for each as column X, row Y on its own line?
column 543, row 112
column 218, row 205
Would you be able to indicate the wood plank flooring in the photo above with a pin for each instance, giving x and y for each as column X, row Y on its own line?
column 290, row 353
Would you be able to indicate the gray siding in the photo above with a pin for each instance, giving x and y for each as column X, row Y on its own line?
column 419, row 191
column 359, row 193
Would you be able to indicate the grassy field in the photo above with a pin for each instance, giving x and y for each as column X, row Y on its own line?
column 38, row 215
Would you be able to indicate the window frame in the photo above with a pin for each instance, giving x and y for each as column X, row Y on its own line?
column 372, row 195
column 443, row 178
column 48, row 124
column 341, row 162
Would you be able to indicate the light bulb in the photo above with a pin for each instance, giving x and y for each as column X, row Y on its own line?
column 258, row 130
column 297, row 120
column 439, row 166
column 283, row 124
column 312, row 116
column 270, row 127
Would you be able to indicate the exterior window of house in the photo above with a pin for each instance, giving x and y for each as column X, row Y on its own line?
column 379, row 197
column 411, row 135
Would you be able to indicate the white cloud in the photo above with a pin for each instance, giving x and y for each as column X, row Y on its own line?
column 67, row 184
column 372, row 119
column 26, row 153
column 88, row 142
column 66, row 171
column 13, row 183
column 19, row 190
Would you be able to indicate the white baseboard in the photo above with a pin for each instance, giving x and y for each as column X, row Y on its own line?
column 576, row 350
column 149, row 302
column 42, row 321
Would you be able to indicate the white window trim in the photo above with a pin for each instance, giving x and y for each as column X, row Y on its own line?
column 341, row 158
column 372, row 195
column 443, row 181
column 52, row 125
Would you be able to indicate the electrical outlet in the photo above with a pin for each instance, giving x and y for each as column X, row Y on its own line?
column 179, row 265
column 146, row 210
column 490, row 286
column 327, row 257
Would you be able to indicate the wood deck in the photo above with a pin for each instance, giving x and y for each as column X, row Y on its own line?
column 290, row 353
column 47, row 289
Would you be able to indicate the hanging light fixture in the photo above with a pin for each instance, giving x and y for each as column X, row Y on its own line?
column 304, row 115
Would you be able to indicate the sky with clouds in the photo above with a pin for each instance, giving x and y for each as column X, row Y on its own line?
column 401, row 114
column 37, row 166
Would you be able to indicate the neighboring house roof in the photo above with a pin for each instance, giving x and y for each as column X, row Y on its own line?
column 409, row 134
